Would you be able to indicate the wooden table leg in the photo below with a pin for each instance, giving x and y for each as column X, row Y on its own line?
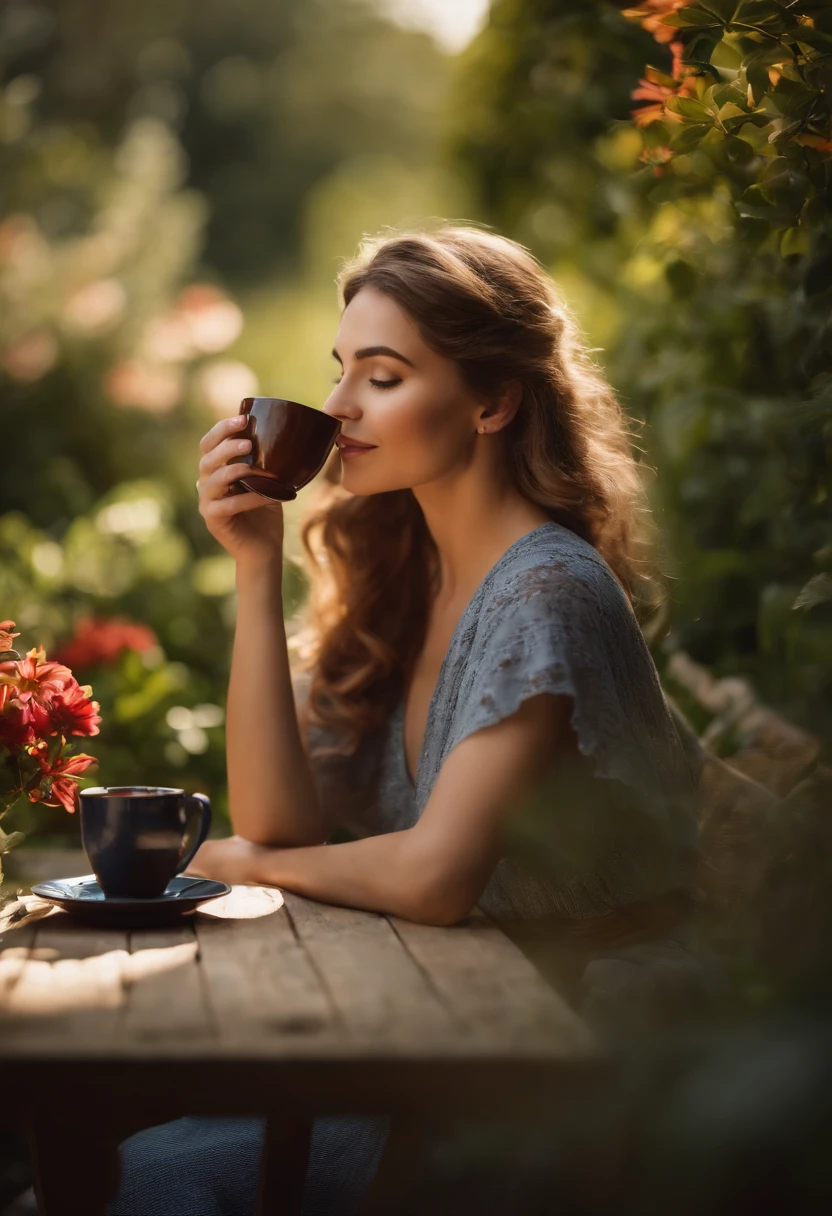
column 74, row 1161
column 283, row 1166
column 401, row 1167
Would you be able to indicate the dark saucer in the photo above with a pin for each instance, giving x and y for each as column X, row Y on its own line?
column 83, row 899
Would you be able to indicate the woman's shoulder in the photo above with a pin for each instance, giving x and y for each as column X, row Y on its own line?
column 552, row 567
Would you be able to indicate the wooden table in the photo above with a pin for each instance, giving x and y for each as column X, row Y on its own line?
column 270, row 1004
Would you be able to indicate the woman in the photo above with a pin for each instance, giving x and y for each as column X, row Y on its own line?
column 480, row 707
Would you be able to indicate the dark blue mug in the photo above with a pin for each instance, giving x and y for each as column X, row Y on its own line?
column 135, row 836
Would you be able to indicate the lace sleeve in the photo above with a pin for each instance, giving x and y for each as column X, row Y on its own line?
column 567, row 628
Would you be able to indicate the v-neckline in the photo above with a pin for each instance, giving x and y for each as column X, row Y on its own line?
column 414, row 784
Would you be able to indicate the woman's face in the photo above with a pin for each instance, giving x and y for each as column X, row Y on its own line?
column 396, row 393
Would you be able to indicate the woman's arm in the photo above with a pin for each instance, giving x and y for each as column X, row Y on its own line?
column 378, row 873
column 272, row 793
column 436, row 871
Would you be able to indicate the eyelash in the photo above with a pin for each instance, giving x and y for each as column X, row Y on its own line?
column 380, row 383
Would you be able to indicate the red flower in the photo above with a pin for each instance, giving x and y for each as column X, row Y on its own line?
column 73, row 712
column 62, row 775
column 651, row 13
column 34, row 680
column 16, row 728
column 38, row 699
column 101, row 641
column 657, row 157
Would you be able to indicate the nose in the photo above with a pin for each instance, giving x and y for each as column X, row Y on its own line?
column 338, row 405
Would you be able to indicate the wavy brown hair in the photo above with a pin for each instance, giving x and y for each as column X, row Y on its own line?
column 485, row 302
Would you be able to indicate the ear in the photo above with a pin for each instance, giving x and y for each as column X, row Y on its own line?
column 501, row 410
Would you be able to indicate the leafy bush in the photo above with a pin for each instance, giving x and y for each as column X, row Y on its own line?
column 696, row 243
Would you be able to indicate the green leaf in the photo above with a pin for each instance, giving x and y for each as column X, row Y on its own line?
column 775, row 217
column 725, row 55
column 688, row 107
column 727, row 91
column 764, row 56
column 759, row 12
column 731, row 110
column 782, row 185
column 655, row 76
column 689, row 137
column 723, row 10
column 814, row 39
column 818, row 590
column 9, row 841
column 756, row 204
column 756, row 136
column 756, row 66
column 735, row 125
column 705, row 67
column 700, row 46
column 732, row 152
column 795, row 241
column 692, row 16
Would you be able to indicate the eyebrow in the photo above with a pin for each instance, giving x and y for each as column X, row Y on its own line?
column 368, row 351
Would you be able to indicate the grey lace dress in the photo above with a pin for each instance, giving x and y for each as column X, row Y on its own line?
column 619, row 828
column 549, row 617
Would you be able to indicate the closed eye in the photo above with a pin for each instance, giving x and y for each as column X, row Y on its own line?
column 377, row 383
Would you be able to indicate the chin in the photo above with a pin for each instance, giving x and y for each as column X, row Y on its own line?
column 362, row 484
column 356, row 484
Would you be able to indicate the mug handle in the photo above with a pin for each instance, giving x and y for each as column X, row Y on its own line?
column 198, row 802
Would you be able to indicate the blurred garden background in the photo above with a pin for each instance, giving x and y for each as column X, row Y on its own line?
column 178, row 185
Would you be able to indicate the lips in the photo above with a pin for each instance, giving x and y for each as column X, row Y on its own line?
column 344, row 442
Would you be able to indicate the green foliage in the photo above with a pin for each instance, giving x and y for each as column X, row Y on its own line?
column 267, row 99
column 535, row 99
column 714, row 320
column 761, row 118
column 148, row 155
column 163, row 709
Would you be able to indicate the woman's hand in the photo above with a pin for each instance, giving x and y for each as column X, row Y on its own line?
column 247, row 526
column 234, row 860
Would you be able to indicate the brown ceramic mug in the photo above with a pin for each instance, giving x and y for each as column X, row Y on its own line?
column 290, row 444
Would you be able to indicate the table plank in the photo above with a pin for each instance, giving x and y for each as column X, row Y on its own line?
column 166, row 1002
column 262, row 986
column 493, row 990
column 70, row 988
column 381, row 995
column 15, row 945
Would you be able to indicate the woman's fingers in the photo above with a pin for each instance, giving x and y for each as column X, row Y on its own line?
column 214, row 496
column 221, row 454
column 216, row 486
column 236, row 504
column 221, row 430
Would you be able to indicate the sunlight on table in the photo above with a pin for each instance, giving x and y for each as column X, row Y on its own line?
column 244, row 903
column 38, row 981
